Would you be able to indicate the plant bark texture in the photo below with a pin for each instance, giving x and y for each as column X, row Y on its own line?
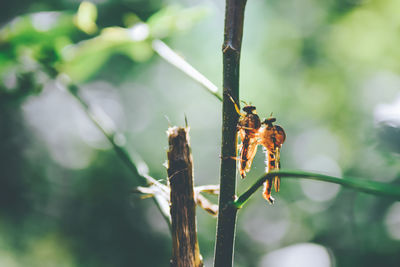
column 185, row 249
column 233, row 32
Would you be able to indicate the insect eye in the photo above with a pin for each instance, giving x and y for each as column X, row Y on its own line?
column 269, row 120
column 249, row 109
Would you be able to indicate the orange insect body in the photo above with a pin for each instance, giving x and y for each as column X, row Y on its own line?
column 248, row 127
column 253, row 133
column 271, row 137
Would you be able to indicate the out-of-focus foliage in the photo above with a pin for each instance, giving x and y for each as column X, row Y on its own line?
column 328, row 70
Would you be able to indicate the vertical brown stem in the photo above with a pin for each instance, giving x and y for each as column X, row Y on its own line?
column 185, row 250
column 234, row 17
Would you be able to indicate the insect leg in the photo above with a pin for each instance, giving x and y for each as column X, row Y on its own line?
column 267, row 191
column 236, row 106
column 244, row 156
column 270, row 160
column 277, row 183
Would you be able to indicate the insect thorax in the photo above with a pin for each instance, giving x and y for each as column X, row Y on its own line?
column 250, row 121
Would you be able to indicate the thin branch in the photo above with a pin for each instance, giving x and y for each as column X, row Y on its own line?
column 144, row 191
column 209, row 189
column 160, row 196
column 201, row 201
column 165, row 52
column 108, row 133
column 366, row 186
column 144, row 179
column 206, row 205
column 233, row 32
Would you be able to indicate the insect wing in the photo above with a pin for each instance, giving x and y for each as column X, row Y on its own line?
column 248, row 131
column 248, row 149
column 251, row 153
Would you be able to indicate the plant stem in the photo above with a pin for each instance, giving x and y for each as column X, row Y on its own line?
column 371, row 187
column 165, row 52
column 233, row 32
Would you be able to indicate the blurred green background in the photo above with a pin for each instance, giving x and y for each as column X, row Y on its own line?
column 328, row 70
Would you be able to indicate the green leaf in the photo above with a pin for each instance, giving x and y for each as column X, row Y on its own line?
column 86, row 17
column 86, row 58
column 37, row 28
column 30, row 35
column 173, row 19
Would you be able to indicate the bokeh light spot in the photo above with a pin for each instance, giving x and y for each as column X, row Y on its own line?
column 316, row 190
column 299, row 255
column 44, row 21
column 392, row 221
column 388, row 113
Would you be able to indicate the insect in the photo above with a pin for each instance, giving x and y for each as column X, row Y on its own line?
column 271, row 137
column 248, row 126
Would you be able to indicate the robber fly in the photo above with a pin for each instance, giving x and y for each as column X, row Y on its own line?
column 271, row 137
column 248, row 126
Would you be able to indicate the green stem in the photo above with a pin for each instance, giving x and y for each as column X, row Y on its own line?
column 234, row 17
column 371, row 187
column 144, row 178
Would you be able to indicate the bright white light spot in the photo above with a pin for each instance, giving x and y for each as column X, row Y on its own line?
column 388, row 113
column 272, row 227
column 392, row 221
column 371, row 160
column 139, row 32
column 313, row 142
column 10, row 80
column 310, row 206
column 299, row 255
column 44, row 21
column 141, row 166
column 56, row 118
column 69, row 153
column 379, row 87
column 316, row 190
column 140, row 106
column 120, row 139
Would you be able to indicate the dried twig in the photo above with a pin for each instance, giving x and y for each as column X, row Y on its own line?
column 185, row 249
